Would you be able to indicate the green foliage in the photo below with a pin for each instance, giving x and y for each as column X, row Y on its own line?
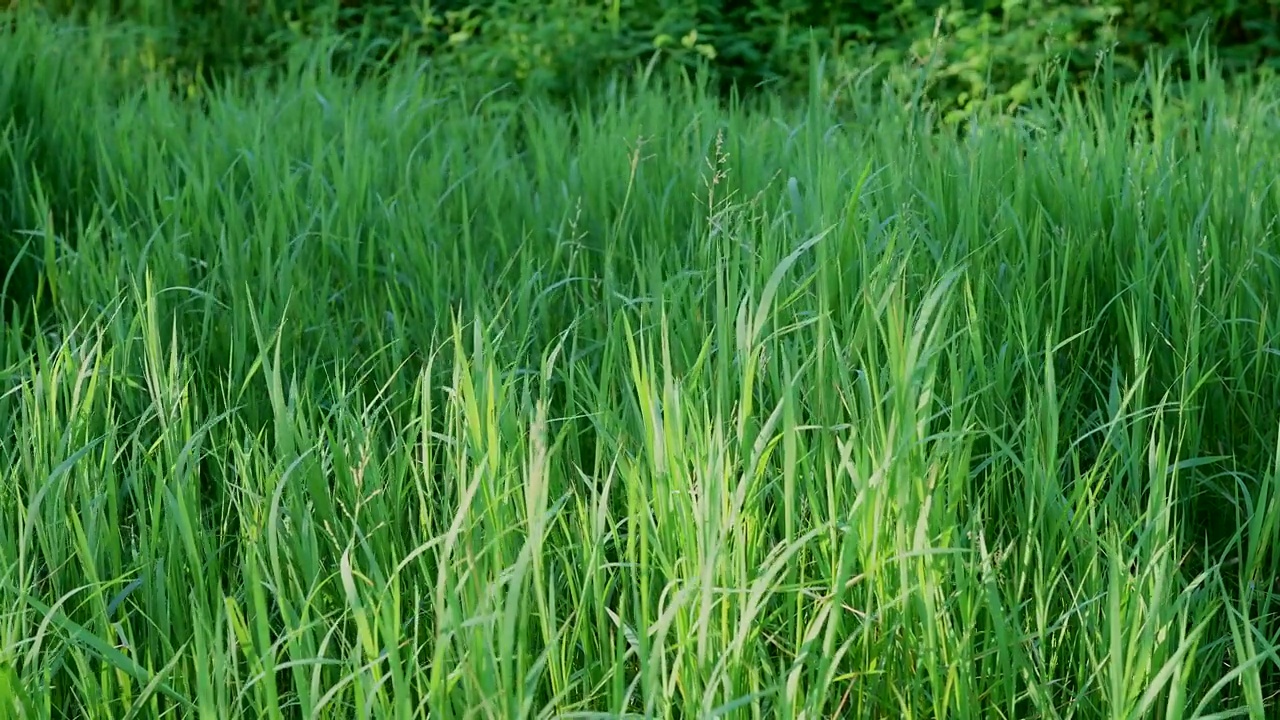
column 974, row 58
column 424, row 407
column 967, row 53
column 1246, row 32
column 382, row 400
column 46, row 177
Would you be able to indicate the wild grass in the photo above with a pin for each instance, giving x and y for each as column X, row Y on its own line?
column 332, row 399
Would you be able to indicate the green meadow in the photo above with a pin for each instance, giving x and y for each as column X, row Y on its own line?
column 325, row 396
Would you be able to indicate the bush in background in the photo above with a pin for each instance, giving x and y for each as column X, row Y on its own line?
column 964, row 54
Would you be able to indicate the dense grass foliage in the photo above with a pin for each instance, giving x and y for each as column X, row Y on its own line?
column 333, row 399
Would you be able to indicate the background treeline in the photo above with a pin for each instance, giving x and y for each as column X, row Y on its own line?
column 962, row 54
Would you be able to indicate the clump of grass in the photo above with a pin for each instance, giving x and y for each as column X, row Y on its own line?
column 390, row 400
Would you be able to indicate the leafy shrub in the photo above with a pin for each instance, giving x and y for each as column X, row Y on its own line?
column 967, row 54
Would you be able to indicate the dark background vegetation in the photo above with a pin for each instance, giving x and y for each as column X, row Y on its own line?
column 963, row 53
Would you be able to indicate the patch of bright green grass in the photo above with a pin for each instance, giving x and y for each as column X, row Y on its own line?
column 390, row 400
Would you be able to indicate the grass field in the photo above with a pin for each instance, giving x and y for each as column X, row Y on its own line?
column 388, row 400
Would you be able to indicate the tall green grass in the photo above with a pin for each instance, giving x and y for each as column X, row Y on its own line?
column 328, row 399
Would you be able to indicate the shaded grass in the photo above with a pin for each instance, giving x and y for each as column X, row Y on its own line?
column 395, row 400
